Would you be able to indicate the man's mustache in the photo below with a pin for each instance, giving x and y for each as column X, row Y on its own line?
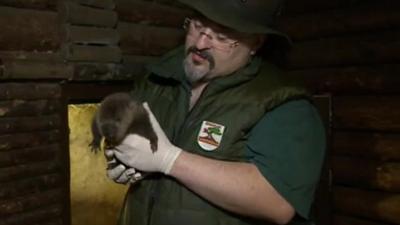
column 203, row 53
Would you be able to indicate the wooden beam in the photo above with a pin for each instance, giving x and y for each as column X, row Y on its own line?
column 29, row 155
column 375, row 113
column 28, row 140
column 77, row 92
column 91, row 53
column 19, row 108
column 28, row 124
column 369, row 174
column 29, row 30
column 105, row 4
column 28, row 69
column 31, row 4
column 350, row 20
column 352, row 79
column 29, row 91
column 29, row 170
column 91, row 35
column 73, row 13
column 30, row 185
column 378, row 206
column 148, row 40
column 101, row 72
column 31, row 202
column 375, row 146
column 35, row 216
column 151, row 13
column 377, row 48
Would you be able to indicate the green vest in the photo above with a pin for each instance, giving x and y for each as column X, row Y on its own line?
column 236, row 102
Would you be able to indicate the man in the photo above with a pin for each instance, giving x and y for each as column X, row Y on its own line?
column 238, row 142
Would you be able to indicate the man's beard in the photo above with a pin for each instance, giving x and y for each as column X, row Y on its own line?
column 193, row 74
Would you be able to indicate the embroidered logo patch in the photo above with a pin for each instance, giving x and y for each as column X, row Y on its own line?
column 210, row 135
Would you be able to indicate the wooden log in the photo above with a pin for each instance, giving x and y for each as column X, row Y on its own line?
column 30, row 185
column 28, row 30
column 26, row 69
column 105, row 4
column 34, row 216
column 150, row 13
column 89, row 53
column 27, row 140
column 347, row 220
column 353, row 79
column 369, row 174
column 363, row 18
column 379, row 206
column 25, row 203
column 136, row 65
column 29, row 155
column 377, row 113
column 100, row 71
column 29, row 124
column 97, row 91
column 29, row 170
column 29, row 91
column 31, row 4
column 73, row 13
column 378, row 146
column 91, row 35
column 378, row 48
column 17, row 108
column 147, row 40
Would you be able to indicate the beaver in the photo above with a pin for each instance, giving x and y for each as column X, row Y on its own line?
column 120, row 114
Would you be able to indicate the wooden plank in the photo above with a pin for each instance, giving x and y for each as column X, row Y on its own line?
column 377, row 113
column 29, row 170
column 28, row 140
column 369, row 174
column 379, row 206
column 29, row 91
column 31, row 4
column 29, row 30
column 29, row 124
column 30, row 185
column 22, row 108
column 151, row 13
column 377, row 48
column 29, row 155
column 148, row 40
column 26, row 69
column 377, row 15
column 35, row 216
column 347, row 220
column 76, row 92
column 100, row 71
column 73, row 13
column 89, row 53
column 21, row 204
column 105, row 4
column 91, row 35
column 378, row 146
column 352, row 79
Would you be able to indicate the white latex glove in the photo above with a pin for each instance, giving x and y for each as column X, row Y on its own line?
column 135, row 150
column 120, row 173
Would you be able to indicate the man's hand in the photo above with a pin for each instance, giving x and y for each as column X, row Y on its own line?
column 135, row 150
column 119, row 173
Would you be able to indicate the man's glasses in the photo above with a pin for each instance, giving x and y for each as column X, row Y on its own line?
column 217, row 40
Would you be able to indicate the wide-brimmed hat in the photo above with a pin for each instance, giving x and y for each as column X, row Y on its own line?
column 248, row 16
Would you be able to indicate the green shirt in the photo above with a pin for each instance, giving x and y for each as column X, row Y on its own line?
column 287, row 145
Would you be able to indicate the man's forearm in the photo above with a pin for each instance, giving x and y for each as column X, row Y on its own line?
column 235, row 186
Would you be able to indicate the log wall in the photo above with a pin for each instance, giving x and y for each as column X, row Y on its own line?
column 350, row 49
column 34, row 166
